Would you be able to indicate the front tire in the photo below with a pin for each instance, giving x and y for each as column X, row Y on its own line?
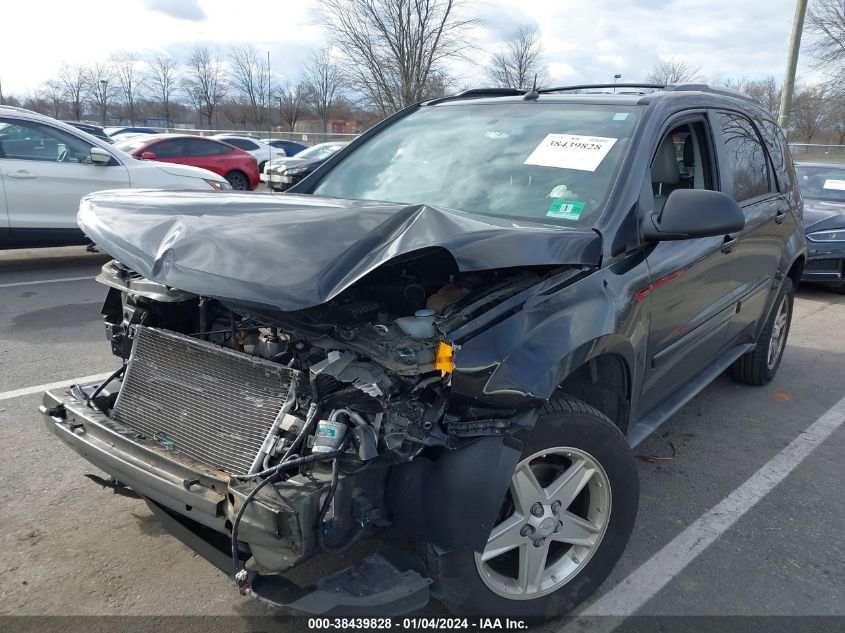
column 760, row 365
column 563, row 525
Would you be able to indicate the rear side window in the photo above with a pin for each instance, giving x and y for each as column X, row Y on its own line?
column 173, row 148
column 779, row 153
column 744, row 157
column 249, row 146
column 200, row 147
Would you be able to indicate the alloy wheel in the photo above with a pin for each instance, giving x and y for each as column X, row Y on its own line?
column 779, row 333
column 554, row 518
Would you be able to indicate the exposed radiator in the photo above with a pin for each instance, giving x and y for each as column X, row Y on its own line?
column 210, row 403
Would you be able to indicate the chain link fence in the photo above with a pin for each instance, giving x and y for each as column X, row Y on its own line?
column 306, row 138
column 819, row 153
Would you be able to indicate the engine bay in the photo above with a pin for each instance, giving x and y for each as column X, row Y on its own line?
column 376, row 359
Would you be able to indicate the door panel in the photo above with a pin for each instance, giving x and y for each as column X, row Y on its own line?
column 747, row 176
column 695, row 284
column 45, row 171
column 694, row 293
column 41, row 194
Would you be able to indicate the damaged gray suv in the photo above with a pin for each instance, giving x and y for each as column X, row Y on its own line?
column 444, row 341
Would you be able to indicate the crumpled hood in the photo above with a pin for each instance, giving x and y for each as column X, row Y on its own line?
column 820, row 215
column 290, row 252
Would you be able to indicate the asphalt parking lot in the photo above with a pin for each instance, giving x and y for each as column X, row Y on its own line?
column 71, row 547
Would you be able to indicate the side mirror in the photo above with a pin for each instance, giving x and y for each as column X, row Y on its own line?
column 99, row 156
column 691, row 213
column 148, row 156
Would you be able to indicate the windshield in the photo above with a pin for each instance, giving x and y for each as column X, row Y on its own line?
column 319, row 151
column 822, row 182
column 549, row 162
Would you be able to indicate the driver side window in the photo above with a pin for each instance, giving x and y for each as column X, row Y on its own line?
column 25, row 140
column 682, row 161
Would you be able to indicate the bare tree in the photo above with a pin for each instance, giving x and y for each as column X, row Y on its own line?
column 292, row 100
column 250, row 77
column 100, row 86
column 393, row 48
column 673, row 71
column 519, row 62
column 73, row 80
column 127, row 71
column 163, row 78
column 323, row 80
column 765, row 92
column 826, row 23
column 204, row 83
column 811, row 113
column 53, row 93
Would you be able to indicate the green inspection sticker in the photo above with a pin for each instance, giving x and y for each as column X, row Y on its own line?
column 565, row 209
column 326, row 432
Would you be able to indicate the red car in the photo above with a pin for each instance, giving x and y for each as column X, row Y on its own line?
column 235, row 165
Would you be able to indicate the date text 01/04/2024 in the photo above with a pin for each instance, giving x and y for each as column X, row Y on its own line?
column 420, row 624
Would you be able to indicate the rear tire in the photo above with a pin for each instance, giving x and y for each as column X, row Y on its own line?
column 578, row 543
column 760, row 365
column 238, row 180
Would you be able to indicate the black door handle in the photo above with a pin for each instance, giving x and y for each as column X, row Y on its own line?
column 728, row 244
column 779, row 216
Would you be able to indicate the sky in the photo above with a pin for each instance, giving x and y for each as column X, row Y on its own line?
column 583, row 40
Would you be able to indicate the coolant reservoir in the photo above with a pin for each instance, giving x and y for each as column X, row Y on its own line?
column 421, row 325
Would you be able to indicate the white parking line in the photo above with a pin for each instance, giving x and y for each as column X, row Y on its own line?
column 25, row 391
column 44, row 281
column 628, row 596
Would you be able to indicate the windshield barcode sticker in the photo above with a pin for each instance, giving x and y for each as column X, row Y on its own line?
column 570, row 151
column 830, row 183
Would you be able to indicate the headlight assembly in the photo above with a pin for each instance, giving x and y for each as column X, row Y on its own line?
column 834, row 235
column 296, row 171
column 218, row 185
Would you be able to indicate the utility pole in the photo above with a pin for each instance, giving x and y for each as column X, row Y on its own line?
column 792, row 63
column 1, row 93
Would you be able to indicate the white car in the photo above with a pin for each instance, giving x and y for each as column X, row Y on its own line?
column 259, row 150
column 47, row 166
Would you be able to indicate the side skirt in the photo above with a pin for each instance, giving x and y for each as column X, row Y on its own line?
column 647, row 424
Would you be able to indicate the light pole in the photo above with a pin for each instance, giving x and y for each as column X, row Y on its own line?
column 103, row 96
column 616, row 78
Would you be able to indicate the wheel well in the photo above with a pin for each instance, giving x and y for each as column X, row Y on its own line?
column 603, row 383
column 796, row 271
column 235, row 171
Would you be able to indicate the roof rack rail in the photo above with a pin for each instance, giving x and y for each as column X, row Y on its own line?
column 721, row 90
column 686, row 87
column 592, row 86
column 478, row 93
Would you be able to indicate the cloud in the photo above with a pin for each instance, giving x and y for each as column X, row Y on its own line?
column 180, row 9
